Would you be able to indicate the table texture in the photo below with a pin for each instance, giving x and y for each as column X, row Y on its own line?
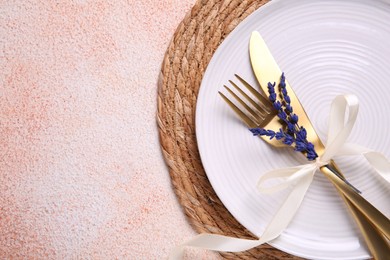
column 81, row 170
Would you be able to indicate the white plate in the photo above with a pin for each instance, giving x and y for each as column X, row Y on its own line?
column 325, row 48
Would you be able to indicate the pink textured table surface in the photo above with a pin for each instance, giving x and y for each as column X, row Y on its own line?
column 81, row 171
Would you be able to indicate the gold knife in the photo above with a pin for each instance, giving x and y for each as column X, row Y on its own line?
column 368, row 218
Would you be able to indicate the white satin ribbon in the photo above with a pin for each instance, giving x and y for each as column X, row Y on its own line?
column 299, row 178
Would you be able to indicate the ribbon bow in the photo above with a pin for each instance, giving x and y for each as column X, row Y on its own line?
column 300, row 178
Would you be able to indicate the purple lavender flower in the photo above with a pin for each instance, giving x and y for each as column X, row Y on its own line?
column 290, row 127
column 311, row 155
column 272, row 97
column 310, row 146
column 279, row 135
column 271, row 87
column 282, row 115
column 288, row 139
column 288, row 109
column 277, row 105
column 293, row 119
column 301, row 134
column 287, row 99
column 270, row 134
column 283, row 89
column 300, row 146
column 282, row 80
column 258, row 131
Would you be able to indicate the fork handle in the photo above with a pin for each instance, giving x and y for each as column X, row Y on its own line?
column 377, row 243
column 380, row 221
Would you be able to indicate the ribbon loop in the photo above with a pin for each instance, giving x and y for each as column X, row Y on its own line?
column 340, row 123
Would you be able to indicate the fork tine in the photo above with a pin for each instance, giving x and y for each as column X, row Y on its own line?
column 260, row 114
column 259, row 95
column 258, row 118
column 242, row 115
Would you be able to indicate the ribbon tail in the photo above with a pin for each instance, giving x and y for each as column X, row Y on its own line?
column 299, row 177
column 290, row 206
column 380, row 163
column 352, row 149
column 377, row 160
column 217, row 243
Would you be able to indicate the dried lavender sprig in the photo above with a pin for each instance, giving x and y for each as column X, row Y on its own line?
column 295, row 134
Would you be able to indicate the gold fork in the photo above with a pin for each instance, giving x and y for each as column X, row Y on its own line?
column 260, row 113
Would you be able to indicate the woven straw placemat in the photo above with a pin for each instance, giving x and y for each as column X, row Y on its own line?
column 189, row 52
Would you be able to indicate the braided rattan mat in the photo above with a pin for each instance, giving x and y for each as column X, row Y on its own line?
column 185, row 61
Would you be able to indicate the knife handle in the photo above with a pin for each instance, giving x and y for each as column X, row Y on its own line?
column 380, row 221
